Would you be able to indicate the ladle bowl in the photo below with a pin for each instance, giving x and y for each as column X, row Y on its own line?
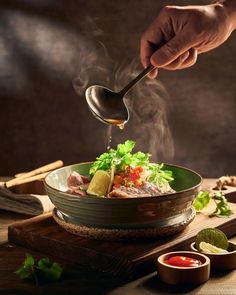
column 106, row 105
column 109, row 106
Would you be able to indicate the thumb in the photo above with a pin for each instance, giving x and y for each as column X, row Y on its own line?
column 171, row 50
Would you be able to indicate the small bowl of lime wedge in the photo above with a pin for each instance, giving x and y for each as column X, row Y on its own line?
column 214, row 243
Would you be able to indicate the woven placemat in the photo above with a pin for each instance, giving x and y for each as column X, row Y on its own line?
column 122, row 234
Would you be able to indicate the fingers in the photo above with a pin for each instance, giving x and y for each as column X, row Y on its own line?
column 151, row 40
column 186, row 60
column 191, row 60
column 178, row 62
column 146, row 51
column 153, row 74
column 172, row 50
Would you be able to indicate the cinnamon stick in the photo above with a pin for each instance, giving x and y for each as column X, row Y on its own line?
column 38, row 171
column 26, row 180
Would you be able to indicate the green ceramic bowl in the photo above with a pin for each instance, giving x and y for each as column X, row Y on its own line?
column 120, row 213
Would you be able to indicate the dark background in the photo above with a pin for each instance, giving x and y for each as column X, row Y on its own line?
column 184, row 117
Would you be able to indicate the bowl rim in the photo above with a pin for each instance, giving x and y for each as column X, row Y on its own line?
column 89, row 197
column 192, row 246
column 160, row 260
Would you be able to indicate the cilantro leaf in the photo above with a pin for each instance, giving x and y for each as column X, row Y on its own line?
column 44, row 270
column 125, row 148
column 158, row 176
column 222, row 206
column 123, row 157
column 27, row 268
column 50, row 270
column 201, row 201
column 29, row 261
column 120, row 157
column 24, row 272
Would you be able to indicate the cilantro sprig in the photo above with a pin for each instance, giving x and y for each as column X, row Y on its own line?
column 43, row 270
column 222, row 206
column 123, row 157
column 159, row 176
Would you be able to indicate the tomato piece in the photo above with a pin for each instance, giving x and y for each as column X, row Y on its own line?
column 128, row 169
column 183, row 261
column 138, row 169
column 117, row 179
column 131, row 176
column 134, row 176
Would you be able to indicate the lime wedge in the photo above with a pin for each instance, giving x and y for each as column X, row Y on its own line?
column 209, row 249
column 212, row 236
column 99, row 183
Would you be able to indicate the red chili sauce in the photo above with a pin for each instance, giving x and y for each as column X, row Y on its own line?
column 182, row 261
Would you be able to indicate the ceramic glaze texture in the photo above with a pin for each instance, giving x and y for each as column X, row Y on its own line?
column 124, row 213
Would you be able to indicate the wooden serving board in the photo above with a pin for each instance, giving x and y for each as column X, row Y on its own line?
column 124, row 259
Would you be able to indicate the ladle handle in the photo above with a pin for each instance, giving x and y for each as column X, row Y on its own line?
column 147, row 70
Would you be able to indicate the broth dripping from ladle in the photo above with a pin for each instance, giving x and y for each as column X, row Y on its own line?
column 112, row 122
column 109, row 137
column 115, row 122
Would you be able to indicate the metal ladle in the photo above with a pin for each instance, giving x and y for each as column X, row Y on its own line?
column 109, row 106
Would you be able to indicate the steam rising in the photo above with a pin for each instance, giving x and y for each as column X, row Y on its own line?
column 49, row 43
column 148, row 124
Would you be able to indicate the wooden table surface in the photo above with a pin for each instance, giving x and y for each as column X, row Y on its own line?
column 80, row 280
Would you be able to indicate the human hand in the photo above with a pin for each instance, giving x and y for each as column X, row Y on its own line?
column 176, row 37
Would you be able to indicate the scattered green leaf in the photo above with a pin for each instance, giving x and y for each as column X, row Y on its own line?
column 222, row 206
column 50, row 270
column 43, row 270
column 27, row 268
column 201, row 201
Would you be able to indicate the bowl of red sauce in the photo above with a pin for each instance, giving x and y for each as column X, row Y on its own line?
column 183, row 267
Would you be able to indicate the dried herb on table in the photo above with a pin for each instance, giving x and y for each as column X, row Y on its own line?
column 222, row 206
column 42, row 271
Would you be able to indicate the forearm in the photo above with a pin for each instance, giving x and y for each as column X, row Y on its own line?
column 230, row 9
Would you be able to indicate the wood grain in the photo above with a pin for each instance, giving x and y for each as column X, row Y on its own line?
column 7, row 218
column 127, row 259
column 77, row 279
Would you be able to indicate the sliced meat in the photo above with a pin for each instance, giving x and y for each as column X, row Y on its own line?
column 147, row 190
column 77, row 184
column 74, row 179
column 85, row 179
column 76, row 191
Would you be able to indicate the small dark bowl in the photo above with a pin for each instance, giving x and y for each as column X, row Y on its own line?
column 221, row 261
